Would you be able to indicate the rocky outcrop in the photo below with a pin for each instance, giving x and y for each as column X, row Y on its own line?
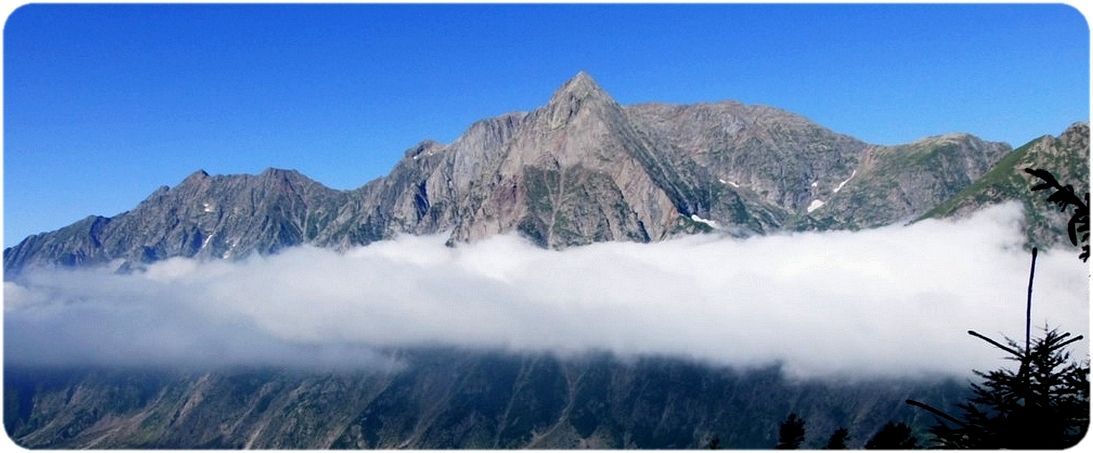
column 572, row 174
column 771, row 154
column 1065, row 156
column 204, row 216
column 899, row 183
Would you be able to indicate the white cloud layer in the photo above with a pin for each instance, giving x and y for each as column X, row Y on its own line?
column 893, row 301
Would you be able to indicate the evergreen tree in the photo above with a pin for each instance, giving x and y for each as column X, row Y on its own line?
column 838, row 439
column 1077, row 229
column 1044, row 405
column 892, row 436
column 791, row 433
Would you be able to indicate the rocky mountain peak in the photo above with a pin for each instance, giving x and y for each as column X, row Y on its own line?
column 279, row 172
column 425, row 147
column 196, row 176
column 1076, row 136
column 577, row 93
column 284, row 176
column 581, row 84
column 949, row 138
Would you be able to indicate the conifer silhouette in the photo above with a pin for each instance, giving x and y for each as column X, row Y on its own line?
column 791, row 433
column 838, row 439
column 892, row 436
column 1045, row 404
column 1064, row 197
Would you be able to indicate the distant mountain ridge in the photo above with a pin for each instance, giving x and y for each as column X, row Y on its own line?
column 579, row 170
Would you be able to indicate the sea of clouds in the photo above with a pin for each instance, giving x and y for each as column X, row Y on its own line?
column 894, row 301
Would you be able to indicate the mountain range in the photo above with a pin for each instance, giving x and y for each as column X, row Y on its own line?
column 582, row 169
column 579, row 170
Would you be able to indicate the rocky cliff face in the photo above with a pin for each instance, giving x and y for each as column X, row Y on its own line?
column 571, row 174
column 204, row 216
column 578, row 170
column 769, row 155
column 899, row 183
column 1065, row 156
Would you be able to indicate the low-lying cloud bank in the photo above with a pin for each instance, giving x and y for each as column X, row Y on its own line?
column 894, row 301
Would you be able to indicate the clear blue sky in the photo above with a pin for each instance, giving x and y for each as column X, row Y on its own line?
column 103, row 104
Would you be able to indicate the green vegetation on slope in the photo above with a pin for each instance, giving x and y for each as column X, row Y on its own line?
column 1066, row 156
column 1004, row 179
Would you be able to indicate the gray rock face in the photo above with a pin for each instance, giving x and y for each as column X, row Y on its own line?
column 571, row 174
column 578, row 170
column 772, row 154
column 204, row 216
column 900, row 183
column 1065, row 156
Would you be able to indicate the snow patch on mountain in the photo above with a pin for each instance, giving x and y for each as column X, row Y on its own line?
column 841, row 184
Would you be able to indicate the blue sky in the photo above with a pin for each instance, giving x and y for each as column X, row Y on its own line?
column 103, row 104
